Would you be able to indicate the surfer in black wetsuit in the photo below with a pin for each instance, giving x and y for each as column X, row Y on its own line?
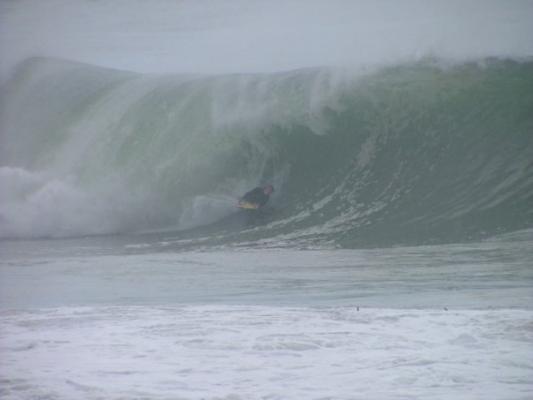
column 259, row 196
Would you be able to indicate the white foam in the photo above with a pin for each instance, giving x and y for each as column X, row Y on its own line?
column 238, row 352
column 35, row 204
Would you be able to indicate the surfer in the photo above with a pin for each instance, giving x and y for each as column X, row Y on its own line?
column 257, row 197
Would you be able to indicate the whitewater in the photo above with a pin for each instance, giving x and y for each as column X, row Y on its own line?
column 393, row 261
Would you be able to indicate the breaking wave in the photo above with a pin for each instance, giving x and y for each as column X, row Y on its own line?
column 408, row 154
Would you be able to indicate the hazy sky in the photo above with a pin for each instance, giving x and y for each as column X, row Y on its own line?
column 246, row 35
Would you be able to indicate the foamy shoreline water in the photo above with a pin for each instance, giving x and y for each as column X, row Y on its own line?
column 243, row 352
column 448, row 321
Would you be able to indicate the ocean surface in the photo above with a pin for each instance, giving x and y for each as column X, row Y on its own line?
column 115, row 318
column 393, row 261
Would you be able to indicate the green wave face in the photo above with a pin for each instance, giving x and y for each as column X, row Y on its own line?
column 409, row 154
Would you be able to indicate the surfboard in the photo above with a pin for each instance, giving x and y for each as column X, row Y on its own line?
column 245, row 205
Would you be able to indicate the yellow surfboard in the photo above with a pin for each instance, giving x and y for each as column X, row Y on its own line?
column 247, row 205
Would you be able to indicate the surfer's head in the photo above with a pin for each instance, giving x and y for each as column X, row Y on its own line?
column 268, row 189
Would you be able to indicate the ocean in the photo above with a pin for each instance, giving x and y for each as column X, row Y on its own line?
column 393, row 261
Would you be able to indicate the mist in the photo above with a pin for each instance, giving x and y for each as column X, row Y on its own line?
column 201, row 36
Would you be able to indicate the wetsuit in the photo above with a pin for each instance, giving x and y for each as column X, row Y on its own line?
column 256, row 196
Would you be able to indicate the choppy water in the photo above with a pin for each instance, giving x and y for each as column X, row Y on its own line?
column 494, row 273
column 115, row 318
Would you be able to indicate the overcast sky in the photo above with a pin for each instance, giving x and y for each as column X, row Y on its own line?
column 218, row 36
